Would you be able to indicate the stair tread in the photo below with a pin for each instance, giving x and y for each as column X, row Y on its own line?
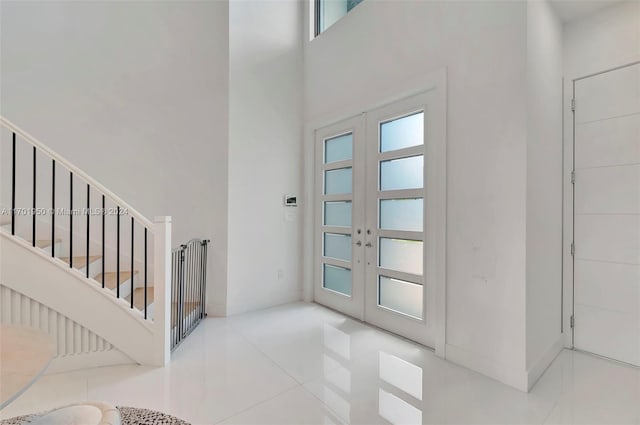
column 138, row 297
column 81, row 260
column 110, row 278
column 44, row 243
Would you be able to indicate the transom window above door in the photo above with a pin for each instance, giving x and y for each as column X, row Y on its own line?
column 328, row 12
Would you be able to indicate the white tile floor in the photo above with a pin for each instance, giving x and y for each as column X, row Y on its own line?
column 301, row 363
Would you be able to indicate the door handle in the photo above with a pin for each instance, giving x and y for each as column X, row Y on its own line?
column 368, row 245
column 359, row 243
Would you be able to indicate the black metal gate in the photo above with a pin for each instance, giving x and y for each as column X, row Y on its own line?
column 188, row 288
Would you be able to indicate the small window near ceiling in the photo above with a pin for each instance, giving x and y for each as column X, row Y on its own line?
column 328, row 12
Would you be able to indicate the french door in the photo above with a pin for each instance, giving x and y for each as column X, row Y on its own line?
column 374, row 191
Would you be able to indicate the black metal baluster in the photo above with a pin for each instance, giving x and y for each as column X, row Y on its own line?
column 88, row 216
column 145, row 273
column 13, row 187
column 70, row 219
column 118, row 253
column 33, row 213
column 132, row 252
column 104, row 213
column 53, row 208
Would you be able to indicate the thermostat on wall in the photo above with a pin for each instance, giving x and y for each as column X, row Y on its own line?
column 290, row 201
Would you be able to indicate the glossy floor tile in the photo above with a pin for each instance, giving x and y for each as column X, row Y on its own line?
column 304, row 364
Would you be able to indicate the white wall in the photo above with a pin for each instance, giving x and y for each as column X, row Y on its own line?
column 136, row 94
column 380, row 50
column 606, row 39
column 265, row 153
column 544, row 186
column 601, row 41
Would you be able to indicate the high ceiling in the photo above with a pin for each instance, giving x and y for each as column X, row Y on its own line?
column 569, row 10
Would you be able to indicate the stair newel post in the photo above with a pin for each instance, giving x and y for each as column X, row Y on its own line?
column 162, row 289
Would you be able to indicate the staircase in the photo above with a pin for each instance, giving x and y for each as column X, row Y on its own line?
column 77, row 261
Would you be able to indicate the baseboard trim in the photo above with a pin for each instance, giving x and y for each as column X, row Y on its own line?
column 487, row 366
column 111, row 357
column 540, row 366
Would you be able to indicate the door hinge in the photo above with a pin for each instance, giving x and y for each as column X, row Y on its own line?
column 572, row 322
column 573, row 248
column 573, row 177
column 573, row 105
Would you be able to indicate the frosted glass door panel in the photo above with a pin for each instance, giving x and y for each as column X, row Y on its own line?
column 401, row 296
column 337, row 246
column 338, row 148
column 338, row 181
column 401, row 214
column 401, row 255
column 337, row 213
column 337, row 279
column 404, row 173
column 402, row 133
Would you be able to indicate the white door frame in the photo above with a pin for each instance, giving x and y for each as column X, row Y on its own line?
column 568, row 200
column 434, row 83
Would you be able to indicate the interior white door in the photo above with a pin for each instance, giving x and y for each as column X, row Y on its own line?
column 607, row 214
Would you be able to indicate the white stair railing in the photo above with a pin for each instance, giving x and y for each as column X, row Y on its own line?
column 57, row 207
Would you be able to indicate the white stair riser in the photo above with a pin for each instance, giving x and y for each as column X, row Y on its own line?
column 47, row 248
column 125, row 288
column 95, row 268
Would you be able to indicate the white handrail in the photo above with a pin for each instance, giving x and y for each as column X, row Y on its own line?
column 76, row 171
